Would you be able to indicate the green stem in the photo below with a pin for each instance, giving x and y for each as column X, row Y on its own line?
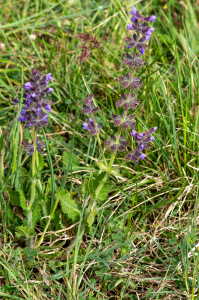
column 33, row 169
column 99, row 140
column 48, row 222
column 29, row 240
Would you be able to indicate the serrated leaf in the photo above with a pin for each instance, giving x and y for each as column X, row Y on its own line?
column 14, row 196
column 23, row 231
column 36, row 214
column 75, row 160
column 91, row 217
column 69, row 206
column 22, row 200
column 10, row 214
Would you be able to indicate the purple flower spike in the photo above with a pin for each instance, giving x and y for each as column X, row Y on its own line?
column 28, row 86
column 152, row 18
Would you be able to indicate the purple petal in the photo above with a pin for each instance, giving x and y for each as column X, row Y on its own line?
column 34, row 95
column 85, row 126
column 140, row 136
column 48, row 108
column 141, row 51
column 22, row 119
column 49, row 77
column 133, row 18
column 151, row 138
column 50, row 90
column 133, row 132
column 151, row 29
column 152, row 18
column 28, row 86
column 129, row 26
column 148, row 33
column 38, row 111
column 142, row 156
column 28, row 97
column 133, row 11
column 141, row 147
column 147, row 38
column 16, row 101
column 90, row 121
column 23, row 112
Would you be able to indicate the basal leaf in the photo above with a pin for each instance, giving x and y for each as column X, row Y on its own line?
column 69, row 206
column 23, row 231
column 66, row 157
column 91, row 217
column 22, row 200
column 14, row 196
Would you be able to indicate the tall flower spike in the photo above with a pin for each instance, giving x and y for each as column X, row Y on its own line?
column 140, row 27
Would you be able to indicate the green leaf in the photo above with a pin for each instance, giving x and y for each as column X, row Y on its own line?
column 48, row 186
column 91, row 217
column 103, row 194
column 85, row 187
column 75, row 160
column 14, row 196
column 41, row 162
column 22, row 200
column 36, row 214
column 69, row 206
column 23, row 231
column 57, row 220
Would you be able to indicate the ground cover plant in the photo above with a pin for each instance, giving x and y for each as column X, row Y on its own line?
column 86, row 211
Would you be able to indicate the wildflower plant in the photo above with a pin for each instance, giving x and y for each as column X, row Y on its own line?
column 137, row 44
column 34, row 115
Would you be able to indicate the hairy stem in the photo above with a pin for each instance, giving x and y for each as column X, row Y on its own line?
column 29, row 240
column 99, row 141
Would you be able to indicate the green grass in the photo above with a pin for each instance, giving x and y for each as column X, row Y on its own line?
column 142, row 241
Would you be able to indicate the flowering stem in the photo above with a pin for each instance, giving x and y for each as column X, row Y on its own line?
column 125, row 112
column 29, row 212
column 99, row 140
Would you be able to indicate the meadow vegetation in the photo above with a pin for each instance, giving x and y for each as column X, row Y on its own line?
column 138, row 238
